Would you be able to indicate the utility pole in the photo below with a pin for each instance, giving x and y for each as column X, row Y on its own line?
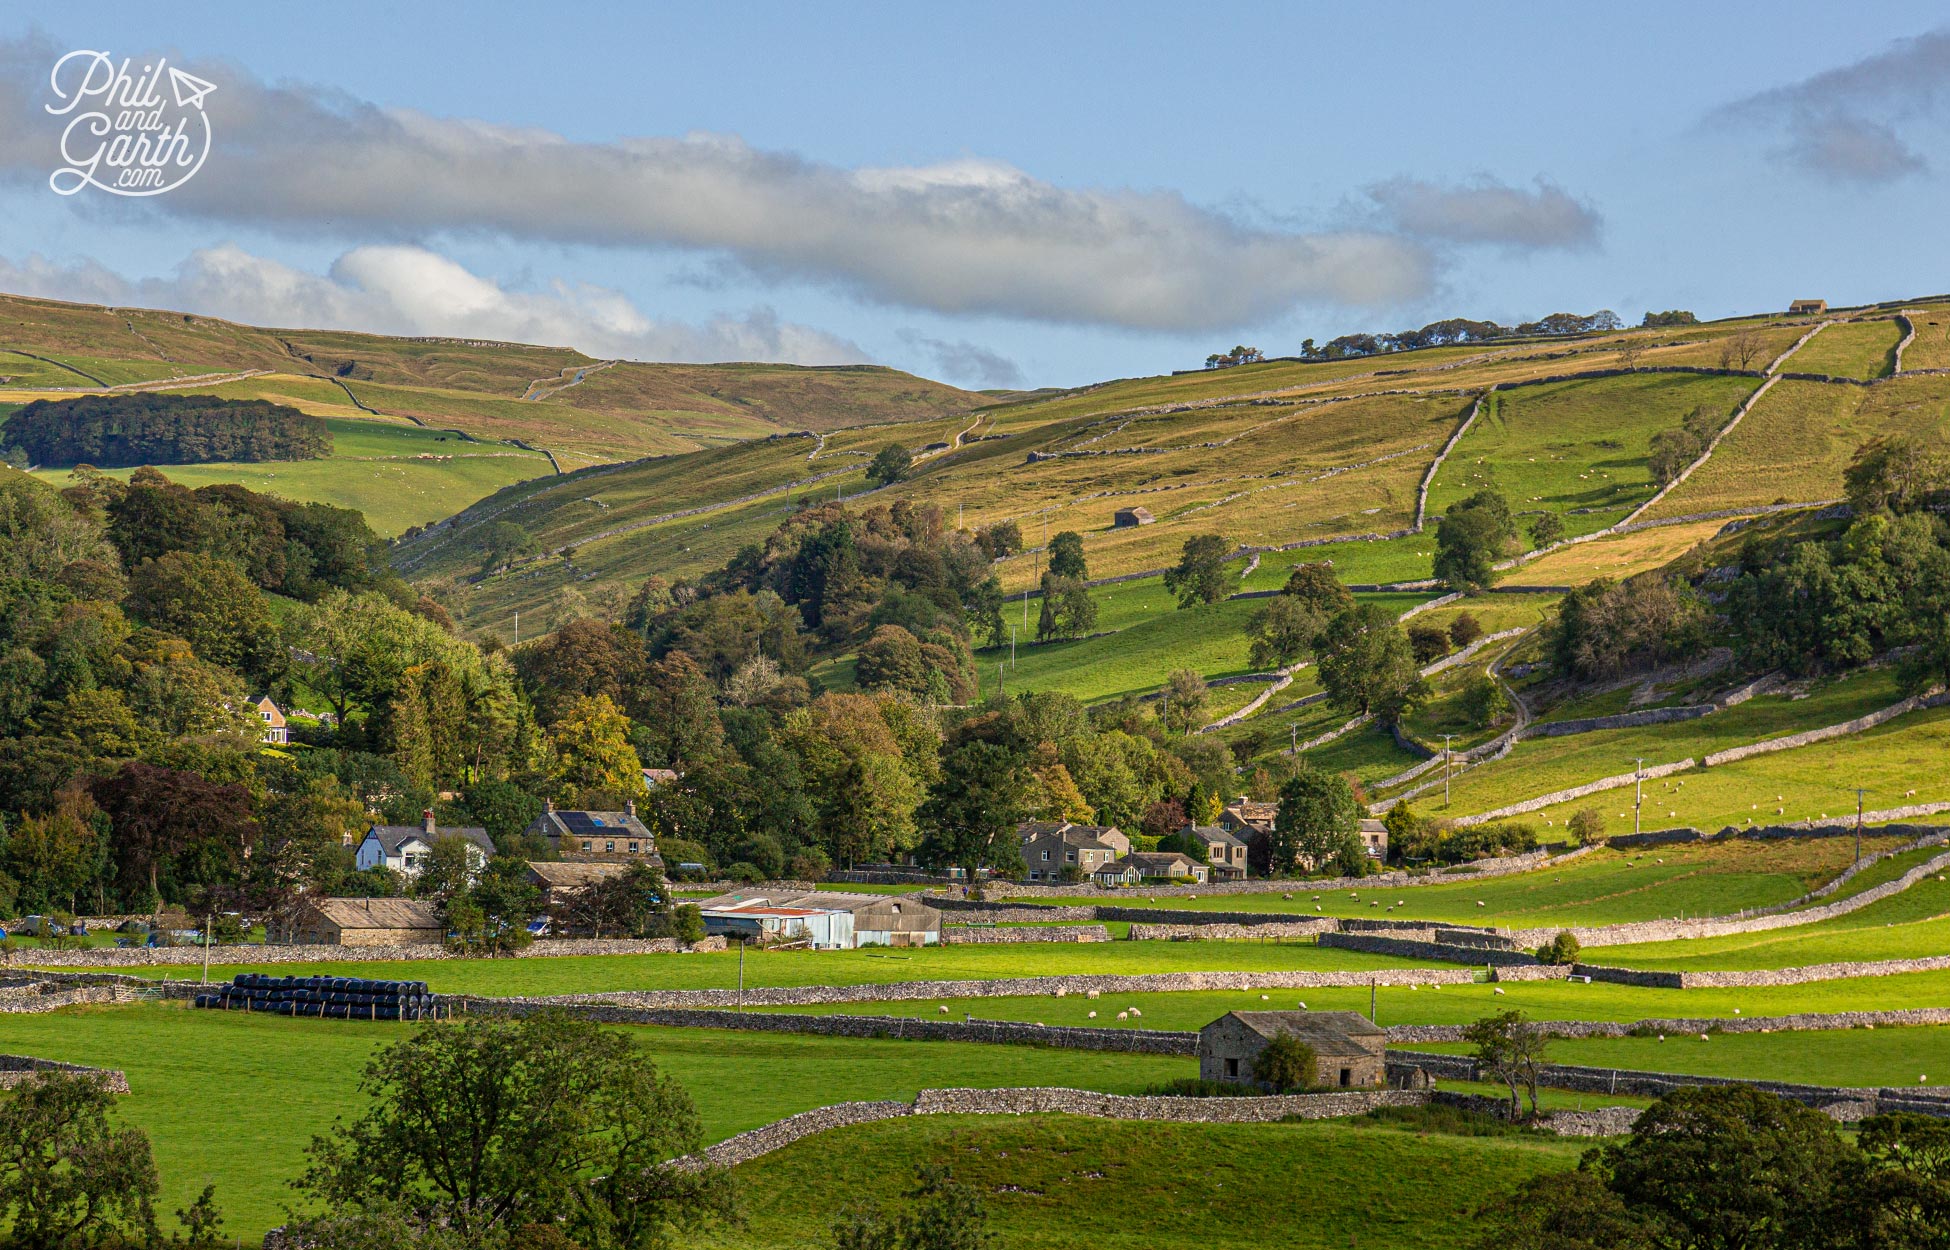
column 1012, row 646
column 206, row 940
column 1638, row 800
column 1371, row 1000
column 517, row 627
column 1445, row 768
column 1858, row 826
column 1293, row 736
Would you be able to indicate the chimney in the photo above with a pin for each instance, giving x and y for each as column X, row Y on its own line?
column 426, row 819
column 629, row 808
column 548, row 805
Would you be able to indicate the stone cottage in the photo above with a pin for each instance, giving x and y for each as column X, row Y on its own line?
column 1348, row 1047
column 1125, row 518
column 1049, row 847
column 368, row 922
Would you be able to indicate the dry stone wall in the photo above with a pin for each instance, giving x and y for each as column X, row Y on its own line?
column 15, row 1069
column 964, row 935
column 1259, row 885
column 1757, row 977
column 1427, row 948
column 1850, row 1103
column 1683, row 1026
column 1860, row 723
column 181, row 956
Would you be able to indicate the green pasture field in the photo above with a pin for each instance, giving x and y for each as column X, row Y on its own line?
column 1603, row 887
column 1540, row 765
column 396, row 474
column 1913, row 1057
column 231, row 1100
column 1616, row 556
column 1795, row 443
column 1931, row 347
column 1577, row 445
column 1909, row 925
column 578, row 974
column 1813, row 782
column 1850, row 349
column 1430, row 1004
column 1063, row 1182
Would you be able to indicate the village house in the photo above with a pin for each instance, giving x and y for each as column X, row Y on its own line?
column 275, row 731
column 1224, row 852
column 1252, row 823
column 1807, row 307
column 822, row 919
column 1125, row 518
column 1166, row 866
column 1118, row 874
column 1348, row 1047
column 1052, row 847
column 367, row 922
column 654, row 777
column 404, row 848
column 605, row 837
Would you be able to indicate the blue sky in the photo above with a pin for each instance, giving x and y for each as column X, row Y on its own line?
column 1000, row 194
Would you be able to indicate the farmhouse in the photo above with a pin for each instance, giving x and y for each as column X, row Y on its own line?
column 275, row 731
column 1374, row 838
column 1225, row 852
column 404, row 848
column 367, row 922
column 1050, row 847
column 1347, row 1045
column 1118, row 873
column 1125, row 518
column 822, row 918
column 603, row 837
column 1810, row 307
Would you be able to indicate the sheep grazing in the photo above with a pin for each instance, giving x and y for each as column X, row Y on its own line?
column 1125, row 1015
column 1373, row 904
column 1060, row 992
column 1702, row 1037
column 942, row 1010
column 1922, row 1080
column 1093, row 1016
column 1303, row 1006
column 1091, row 994
column 1287, row 896
column 1497, row 990
column 1662, row 1037
column 1481, row 903
column 1265, row 997
column 1736, row 1011
column 1135, row 1013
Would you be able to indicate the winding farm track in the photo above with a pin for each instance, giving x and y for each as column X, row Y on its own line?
column 543, row 388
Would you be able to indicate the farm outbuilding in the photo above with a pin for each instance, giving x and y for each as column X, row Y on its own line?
column 1125, row 518
column 368, row 922
column 822, row 918
column 1807, row 307
column 1347, row 1046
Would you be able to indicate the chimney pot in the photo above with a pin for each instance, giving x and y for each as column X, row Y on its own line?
column 548, row 805
column 426, row 817
column 629, row 807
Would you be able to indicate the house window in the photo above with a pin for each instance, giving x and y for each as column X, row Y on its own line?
column 1070, row 856
column 1232, row 1067
column 609, row 846
column 1045, row 856
column 586, row 845
column 633, row 846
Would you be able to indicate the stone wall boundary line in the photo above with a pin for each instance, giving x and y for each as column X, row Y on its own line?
column 1428, row 478
column 1746, row 405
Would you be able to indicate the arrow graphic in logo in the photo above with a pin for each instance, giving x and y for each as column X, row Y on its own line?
column 189, row 89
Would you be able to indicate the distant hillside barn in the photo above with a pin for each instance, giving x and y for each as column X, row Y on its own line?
column 124, row 431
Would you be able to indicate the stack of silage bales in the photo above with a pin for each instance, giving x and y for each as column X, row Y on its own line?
column 330, row 998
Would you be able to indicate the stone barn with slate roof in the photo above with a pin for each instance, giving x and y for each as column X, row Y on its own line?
column 1347, row 1046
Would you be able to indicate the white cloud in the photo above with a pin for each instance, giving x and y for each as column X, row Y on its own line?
column 1488, row 211
column 1841, row 123
column 968, row 236
column 970, row 363
column 412, row 291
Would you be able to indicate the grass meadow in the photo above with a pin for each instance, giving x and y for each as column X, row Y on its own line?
column 1850, row 349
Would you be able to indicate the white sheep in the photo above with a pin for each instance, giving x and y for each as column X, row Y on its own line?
column 1061, row 991
column 1303, row 1006
column 942, row 1009
column 1702, row 1037
column 1136, row 1013
column 1662, row 1037
column 1497, row 990
column 1265, row 997
column 1090, row 994
column 1736, row 1011
column 1286, row 896
column 1481, row 903
column 1922, row 1080
column 1093, row 1016
column 1125, row 1015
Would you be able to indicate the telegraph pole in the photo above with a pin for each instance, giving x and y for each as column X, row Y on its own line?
column 1638, row 800
column 1012, row 646
column 1445, row 768
column 1293, row 735
column 1858, row 826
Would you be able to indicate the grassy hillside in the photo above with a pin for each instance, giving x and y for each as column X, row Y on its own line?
column 585, row 410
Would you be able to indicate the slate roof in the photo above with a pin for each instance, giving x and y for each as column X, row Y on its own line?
column 554, row 824
column 392, row 837
column 378, row 913
column 573, row 875
column 1216, row 833
column 1328, row 1032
